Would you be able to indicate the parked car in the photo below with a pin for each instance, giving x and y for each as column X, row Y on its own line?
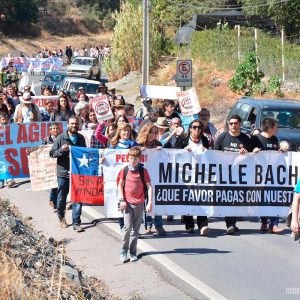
column 72, row 84
column 286, row 111
column 53, row 80
column 83, row 66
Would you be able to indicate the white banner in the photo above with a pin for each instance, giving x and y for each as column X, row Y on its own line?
column 159, row 92
column 189, row 102
column 25, row 64
column 115, row 160
column 219, row 184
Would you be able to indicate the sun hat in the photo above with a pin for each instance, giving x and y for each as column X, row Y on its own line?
column 26, row 98
column 162, row 122
column 119, row 102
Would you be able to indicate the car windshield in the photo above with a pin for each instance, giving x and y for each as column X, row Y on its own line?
column 85, row 62
column 54, row 78
column 90, row 88
column 286, row 117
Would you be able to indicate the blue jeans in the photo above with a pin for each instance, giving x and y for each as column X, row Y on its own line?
column 158, row 222
column 62, row 193
column 53, row 197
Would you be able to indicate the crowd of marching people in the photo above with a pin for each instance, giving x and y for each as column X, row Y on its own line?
column 153, row 126
column 69, row 52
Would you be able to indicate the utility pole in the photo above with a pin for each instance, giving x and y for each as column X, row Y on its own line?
column 145, row 67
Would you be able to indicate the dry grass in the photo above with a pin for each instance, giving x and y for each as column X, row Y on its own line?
column 11, row 281
column 29, row 46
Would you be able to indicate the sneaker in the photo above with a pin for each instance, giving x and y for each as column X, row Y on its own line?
column 78, row 228
column 123, row 256
column 190, row 230
column 133, row 257
column 11, row 183
column 204, row 231
column 231, row 230
column 160, row 231
column 236, row 228
column 264, row 227
column 63, row 223
column 1, row 184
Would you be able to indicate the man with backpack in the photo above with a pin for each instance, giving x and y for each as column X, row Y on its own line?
column 133, row 192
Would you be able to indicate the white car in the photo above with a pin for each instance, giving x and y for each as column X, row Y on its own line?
column 71, row 84
column 84, row 66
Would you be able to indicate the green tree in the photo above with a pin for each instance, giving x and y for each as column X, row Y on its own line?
column 284, row 14
column 22, row 12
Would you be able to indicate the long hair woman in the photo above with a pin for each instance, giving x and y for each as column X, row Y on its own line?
column 63, row 112
column 194, row 140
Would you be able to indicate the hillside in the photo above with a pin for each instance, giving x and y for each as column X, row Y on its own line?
column 55, row 31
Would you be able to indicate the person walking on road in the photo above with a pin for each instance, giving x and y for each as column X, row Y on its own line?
column 234, row 141
column 61, row 151
column 267, row 141
column 132, row 195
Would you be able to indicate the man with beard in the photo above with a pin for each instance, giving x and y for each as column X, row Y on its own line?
column 61, row 151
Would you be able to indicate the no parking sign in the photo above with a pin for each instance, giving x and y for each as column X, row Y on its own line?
column 184, row 73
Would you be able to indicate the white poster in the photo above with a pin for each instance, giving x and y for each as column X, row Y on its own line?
column 159, row 92
column 188, row 102
column 102, row 108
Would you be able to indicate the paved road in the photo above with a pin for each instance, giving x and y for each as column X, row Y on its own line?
column 250, row 265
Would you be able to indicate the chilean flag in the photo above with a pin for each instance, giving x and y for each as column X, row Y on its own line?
column 86, row 176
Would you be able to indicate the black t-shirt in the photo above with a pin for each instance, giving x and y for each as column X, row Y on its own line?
column 173, row 115
column 227, row 142
column 264, row 143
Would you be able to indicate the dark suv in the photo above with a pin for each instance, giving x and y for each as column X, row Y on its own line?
column 286, row 111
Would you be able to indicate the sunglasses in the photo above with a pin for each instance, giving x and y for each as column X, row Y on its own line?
column 233, row 123
column 197, row 127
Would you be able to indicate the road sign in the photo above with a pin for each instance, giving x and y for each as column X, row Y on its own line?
column 184, row 73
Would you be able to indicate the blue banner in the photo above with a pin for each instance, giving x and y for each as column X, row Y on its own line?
column 14, row 139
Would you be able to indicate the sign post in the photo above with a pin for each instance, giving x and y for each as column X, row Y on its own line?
column 184, row 73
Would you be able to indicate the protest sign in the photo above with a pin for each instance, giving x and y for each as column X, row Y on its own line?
column 188, row 102
column 86, row 184
column 159, row 92
column 42, row 169
column 102, row 108
column 210, row 183
column 215, row 183
column 14, row 139
column 25, row 64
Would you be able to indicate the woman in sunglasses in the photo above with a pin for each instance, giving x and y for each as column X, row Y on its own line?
column 192, row 141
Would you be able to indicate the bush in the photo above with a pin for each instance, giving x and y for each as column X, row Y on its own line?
column 127, row 42
column 247, row 78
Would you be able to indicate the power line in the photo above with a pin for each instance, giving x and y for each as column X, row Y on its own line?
column 224, row 7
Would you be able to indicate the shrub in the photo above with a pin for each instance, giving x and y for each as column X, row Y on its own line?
column 127, row 42
column 247, row 78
